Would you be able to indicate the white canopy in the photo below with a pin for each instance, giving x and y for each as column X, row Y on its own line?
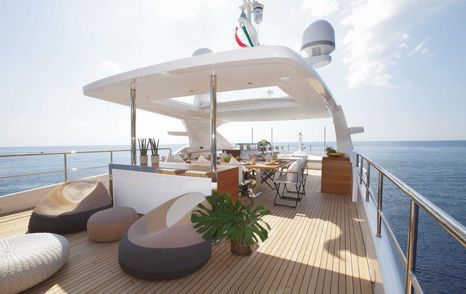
column 265, row 66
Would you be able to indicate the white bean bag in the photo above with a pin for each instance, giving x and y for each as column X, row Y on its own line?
column 27, row 260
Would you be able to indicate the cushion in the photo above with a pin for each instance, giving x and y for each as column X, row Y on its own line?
column 163, row 244
column 110, row 224
column 241, row 168
column 292, row 174
column 67, row 208
column 202, row 161
column 27, row 260
column 174, row 158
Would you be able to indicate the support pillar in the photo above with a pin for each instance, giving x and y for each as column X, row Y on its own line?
column 213, row 122
column 133, row 123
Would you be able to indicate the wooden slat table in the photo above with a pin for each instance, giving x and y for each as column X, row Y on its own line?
column 267, row 170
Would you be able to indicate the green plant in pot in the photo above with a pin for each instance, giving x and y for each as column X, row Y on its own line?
column 154, row 149
column 228, row 218
column 143, row 147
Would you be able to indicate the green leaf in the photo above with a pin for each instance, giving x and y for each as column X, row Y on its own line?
column 230, row 219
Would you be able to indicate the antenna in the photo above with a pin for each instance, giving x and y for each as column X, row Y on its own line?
column 318, row 42
column 248, row 10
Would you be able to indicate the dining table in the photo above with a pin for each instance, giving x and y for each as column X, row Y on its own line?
column 267, row 169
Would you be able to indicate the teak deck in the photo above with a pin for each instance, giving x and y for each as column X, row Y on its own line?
column 316, row 248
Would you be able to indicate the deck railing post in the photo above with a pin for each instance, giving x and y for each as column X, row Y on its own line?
column 368, row 180
column 111, row 156
column 360, row 170
column 412, row 245
column 379, row 204
column 65, row 166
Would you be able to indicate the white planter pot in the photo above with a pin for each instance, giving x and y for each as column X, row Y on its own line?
column 143, row 159
column 154, row 159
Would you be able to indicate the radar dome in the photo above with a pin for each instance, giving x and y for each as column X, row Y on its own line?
column 318, row 42
column 201, row 51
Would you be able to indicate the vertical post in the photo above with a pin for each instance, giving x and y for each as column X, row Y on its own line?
column 379, row 204
column 252, row 135
column 325, row 138
column 368, row 180
column 213, row 122
column 133, row 123
column 412, row 245
column 111, row 156
column 271, row 138
column 360, row 170
column 65, row 166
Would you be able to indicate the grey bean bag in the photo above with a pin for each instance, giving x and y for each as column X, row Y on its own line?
column 163, row 244
column 67, row 208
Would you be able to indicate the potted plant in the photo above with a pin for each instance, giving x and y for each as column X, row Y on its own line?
column 143, row 147
column 154, row 149
column 333, row 153
column 230, row 219
column 264, row 145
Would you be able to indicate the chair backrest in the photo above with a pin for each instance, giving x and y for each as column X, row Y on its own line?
column 77, row 191
column 241, row 169
column 182, row 206
column 296, row 170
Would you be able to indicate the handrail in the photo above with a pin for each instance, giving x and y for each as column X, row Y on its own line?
column 65, row 154
column 72, row 152
column 448, row 223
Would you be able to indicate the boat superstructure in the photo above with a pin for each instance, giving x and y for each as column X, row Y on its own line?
column 237, row 71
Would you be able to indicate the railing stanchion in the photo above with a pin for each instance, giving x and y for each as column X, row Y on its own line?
column 111, row 156
column 368, row 180
column 379, row 204
column 412, row 245
column 65, row 164
column 360, row 170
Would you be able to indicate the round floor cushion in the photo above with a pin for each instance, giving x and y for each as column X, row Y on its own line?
column 27, row 260
column 110, row 224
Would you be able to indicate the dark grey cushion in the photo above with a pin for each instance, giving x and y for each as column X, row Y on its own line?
column 162, row 263
column 61, row 224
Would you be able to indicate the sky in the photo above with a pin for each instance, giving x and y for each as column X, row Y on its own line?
column 398, row 67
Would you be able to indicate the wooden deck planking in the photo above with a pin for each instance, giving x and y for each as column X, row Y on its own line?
column 316, row 248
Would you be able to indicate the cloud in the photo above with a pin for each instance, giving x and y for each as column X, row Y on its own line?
column 110, row 67
column 404, row 43
column 320, row 8
column 421, row 48
column 376, row 37
column 363, row 47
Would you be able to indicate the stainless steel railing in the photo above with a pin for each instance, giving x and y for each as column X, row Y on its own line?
column 448, row 223
column 65, row 169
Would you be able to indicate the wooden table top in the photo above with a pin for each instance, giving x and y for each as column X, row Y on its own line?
column 266, row 166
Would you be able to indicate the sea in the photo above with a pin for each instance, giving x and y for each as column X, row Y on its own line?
column 436, row 169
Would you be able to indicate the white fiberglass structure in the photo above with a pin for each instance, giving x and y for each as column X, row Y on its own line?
column 253, row 69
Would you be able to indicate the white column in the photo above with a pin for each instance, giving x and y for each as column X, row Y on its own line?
column 213, row 122
column 133, row 123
